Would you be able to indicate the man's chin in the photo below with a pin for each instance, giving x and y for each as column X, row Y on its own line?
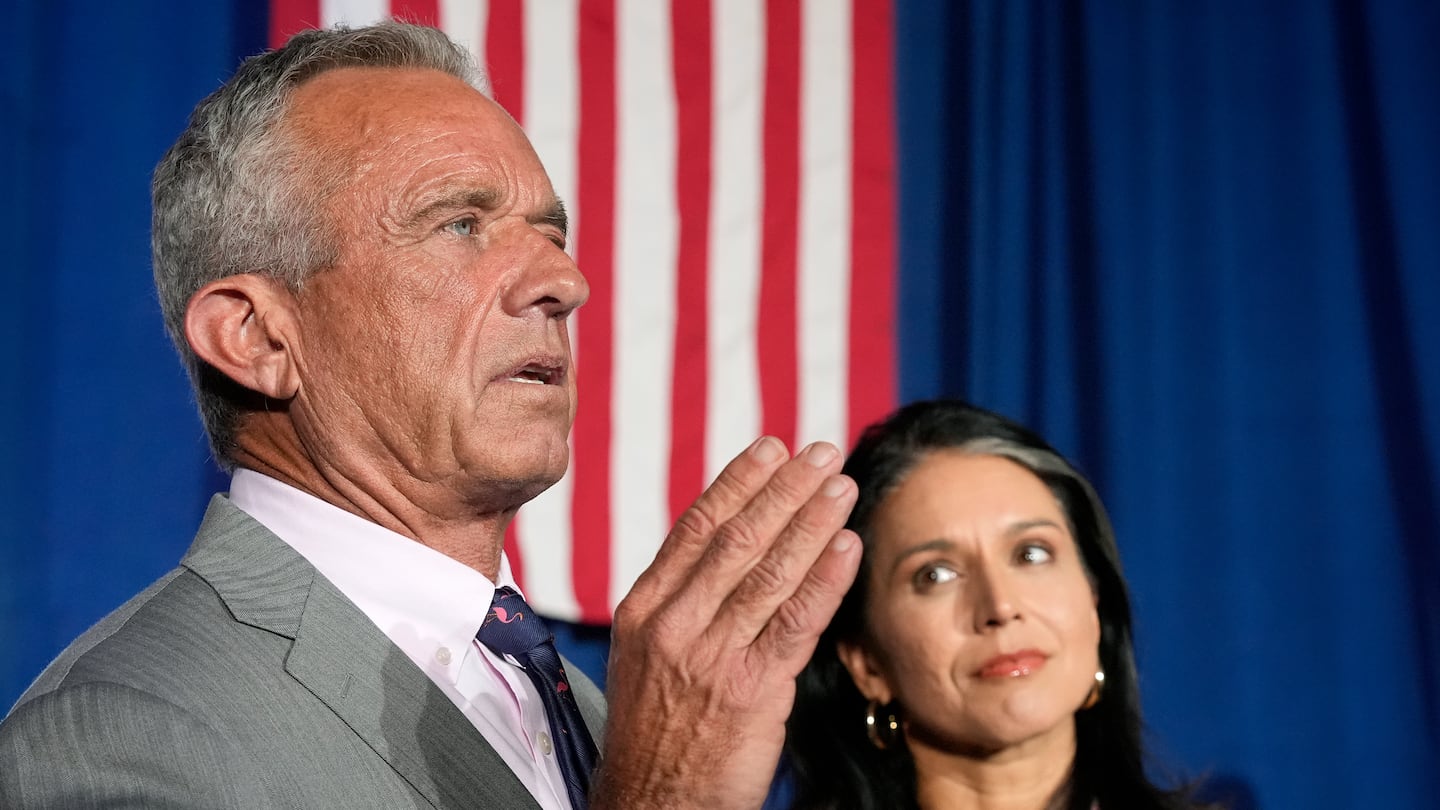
column 541, row 482
column 519, row 482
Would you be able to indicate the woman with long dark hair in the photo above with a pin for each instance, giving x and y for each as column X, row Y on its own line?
column 983, row 657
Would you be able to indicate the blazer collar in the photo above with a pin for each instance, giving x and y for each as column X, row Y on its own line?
column 349, row 665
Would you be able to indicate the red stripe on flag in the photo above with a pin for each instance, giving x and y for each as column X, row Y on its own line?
column 595, row 252
column 289, row 17
column 505, row 53
column 425, row 12
column 872, row 248
column 691, row 45
column 776, row 330
column 512, row 553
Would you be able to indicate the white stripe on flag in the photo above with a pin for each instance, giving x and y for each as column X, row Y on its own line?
column 552, row 100
column 551, row 89
column 823, row 285
column 464, row 22
column 354, row 13
column 645, row 250
column 733, row 412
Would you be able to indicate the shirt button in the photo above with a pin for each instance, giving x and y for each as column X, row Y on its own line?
column 443, row 656
column 545, row 745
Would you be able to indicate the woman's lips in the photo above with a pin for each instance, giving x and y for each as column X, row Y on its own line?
column 1012, row 665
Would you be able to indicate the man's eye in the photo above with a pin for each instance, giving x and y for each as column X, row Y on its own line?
column 1034, row 554
column 462, row 227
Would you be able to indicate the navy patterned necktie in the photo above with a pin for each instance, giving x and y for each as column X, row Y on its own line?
column 511, row 628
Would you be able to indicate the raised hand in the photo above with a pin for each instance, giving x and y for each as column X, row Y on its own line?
column 706, row 646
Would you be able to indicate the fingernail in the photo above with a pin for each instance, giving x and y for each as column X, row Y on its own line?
column 766, row 449
column 834, row 487
column 820, row 454
column 843, row 541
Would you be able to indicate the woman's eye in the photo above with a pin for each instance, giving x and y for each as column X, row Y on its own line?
column 462, row 227
column 934, row 574
column 1034, row 554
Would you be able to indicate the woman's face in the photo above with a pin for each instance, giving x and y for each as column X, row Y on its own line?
column 982, row 623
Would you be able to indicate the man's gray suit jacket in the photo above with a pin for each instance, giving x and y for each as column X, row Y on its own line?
column 243, row 678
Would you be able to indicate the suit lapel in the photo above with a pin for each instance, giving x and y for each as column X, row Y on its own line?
column 348, row 664
column 591, row 701
column 379, row 692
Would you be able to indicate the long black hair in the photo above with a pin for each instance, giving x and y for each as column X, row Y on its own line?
column 834, row 763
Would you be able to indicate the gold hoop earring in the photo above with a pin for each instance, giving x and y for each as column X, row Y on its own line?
column 883, row 733
column 1095, row 690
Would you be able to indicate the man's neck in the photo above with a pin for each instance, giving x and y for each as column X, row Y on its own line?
column 468, row 532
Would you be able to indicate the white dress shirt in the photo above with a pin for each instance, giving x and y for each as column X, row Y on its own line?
column 430, row 606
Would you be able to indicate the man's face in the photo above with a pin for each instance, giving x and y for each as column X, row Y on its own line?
column 435, row 358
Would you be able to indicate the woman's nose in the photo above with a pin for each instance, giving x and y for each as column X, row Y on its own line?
column 994, row 603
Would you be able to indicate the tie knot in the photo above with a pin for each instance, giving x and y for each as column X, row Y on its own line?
column 510, row 626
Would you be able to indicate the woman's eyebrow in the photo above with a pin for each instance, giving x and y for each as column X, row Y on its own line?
column 1022, row 526
column 938, row 544
column 942, row 544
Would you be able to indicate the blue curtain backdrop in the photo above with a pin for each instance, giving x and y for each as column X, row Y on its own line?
column 1196, row 244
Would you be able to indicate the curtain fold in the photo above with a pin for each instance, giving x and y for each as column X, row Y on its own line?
column 1194, row 245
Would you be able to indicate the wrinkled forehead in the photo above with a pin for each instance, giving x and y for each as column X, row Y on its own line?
column 401, row 135
column 355, row 115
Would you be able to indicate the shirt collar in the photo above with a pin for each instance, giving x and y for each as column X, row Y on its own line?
column 418, row 597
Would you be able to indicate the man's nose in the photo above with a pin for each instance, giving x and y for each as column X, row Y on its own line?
column 549, row 281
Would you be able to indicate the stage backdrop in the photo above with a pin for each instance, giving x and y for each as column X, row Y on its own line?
column 1195, row 244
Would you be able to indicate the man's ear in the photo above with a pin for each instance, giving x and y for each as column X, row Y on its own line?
column 864, row 671
column 245, row 327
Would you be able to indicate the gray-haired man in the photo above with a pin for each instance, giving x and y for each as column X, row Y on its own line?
column 362, row 264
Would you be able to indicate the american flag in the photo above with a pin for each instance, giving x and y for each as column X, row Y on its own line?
column 729, row 170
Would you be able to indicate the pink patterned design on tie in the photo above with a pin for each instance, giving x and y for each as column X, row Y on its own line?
column 504, row 616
